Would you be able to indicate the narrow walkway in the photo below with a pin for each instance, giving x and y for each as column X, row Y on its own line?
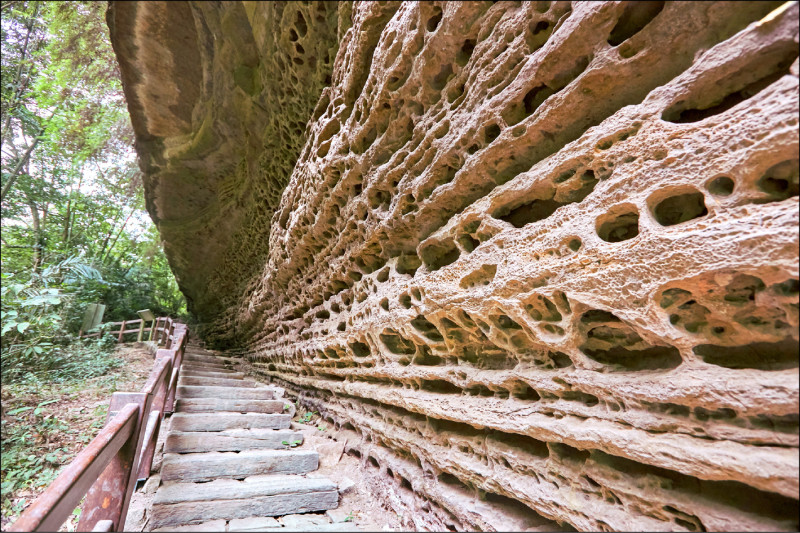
column 231, row 463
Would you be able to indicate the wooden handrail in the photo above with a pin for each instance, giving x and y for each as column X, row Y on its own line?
column 107, row 469
column 161, row 329
column 54, row 506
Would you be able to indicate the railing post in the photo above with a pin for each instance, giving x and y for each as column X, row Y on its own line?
column 171, row 333
column 152, row 328
column 141, row 331
column 176, row 369
column 121, row 331
column 155, row 415
column 110, row 496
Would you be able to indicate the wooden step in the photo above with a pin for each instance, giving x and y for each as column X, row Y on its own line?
column 222, row 421
column 231, row 440
column 242, row 393
column 236, row 405
column 212, row 465
column 183, row 503
column 227, row 374
column 215, row 382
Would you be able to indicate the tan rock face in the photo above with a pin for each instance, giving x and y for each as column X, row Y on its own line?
column 538, row 261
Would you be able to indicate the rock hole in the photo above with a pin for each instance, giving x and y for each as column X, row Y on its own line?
column 440, row 80
column 465, row 52
column 408, row 264
column 758, row 355
column 397, row 344
column 525, row 214
column 535, row 97
column 721, row 186
column 491, row 133
column 434, row 21
column 426, row 328
column 574, row 244
column 468, row 243
column 684, row 111
column 618, row 227
column 439, row 255
column 360, row 349
column 781, row 181
column 560, row 359
column 523, row 391
column 634, row 18
column 482, row 276
column 439, row 386
column 680, row 208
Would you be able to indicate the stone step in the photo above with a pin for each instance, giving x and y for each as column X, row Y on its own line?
column 236, row 405
column 195, row 391
column 231, row 440
column 221, row 421
column 214, row 526
column 218, row 382
column 227, row 374
column 212, row 465
column 183, row 503
column 214, row 367
column 207, row 359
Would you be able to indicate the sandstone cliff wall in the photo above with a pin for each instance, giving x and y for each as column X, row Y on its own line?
column 537, row 261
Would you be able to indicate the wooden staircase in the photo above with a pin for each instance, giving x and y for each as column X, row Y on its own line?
column 230, row 460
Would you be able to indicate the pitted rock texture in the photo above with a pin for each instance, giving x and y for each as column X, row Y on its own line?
column 220, row 94
column 544, row 255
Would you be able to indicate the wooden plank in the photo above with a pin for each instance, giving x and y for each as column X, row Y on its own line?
column 232, row 440
column 205, row 405
column 195, row 391
column 223, row 421
column 214, row 465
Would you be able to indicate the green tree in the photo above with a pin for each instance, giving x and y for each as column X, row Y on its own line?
column 74, row 228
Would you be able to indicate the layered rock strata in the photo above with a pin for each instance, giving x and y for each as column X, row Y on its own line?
column 543, row 256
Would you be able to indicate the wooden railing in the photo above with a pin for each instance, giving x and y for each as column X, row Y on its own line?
column 160, row 328
column 107, row 470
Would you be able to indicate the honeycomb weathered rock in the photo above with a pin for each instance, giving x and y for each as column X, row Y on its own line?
column 545, row 254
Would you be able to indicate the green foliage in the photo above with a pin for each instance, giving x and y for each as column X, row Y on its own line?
column 74, row 227
column 293, row 444
column 306, row 418
column 21, row 468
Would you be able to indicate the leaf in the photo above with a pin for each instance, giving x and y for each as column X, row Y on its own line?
column 7, row 327
column 22, row 326
column 19, row 410
column 48, row 402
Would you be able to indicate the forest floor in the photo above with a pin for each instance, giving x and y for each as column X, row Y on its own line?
column 44, row 425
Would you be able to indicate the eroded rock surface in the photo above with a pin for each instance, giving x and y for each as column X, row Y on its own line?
column 539, row 256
